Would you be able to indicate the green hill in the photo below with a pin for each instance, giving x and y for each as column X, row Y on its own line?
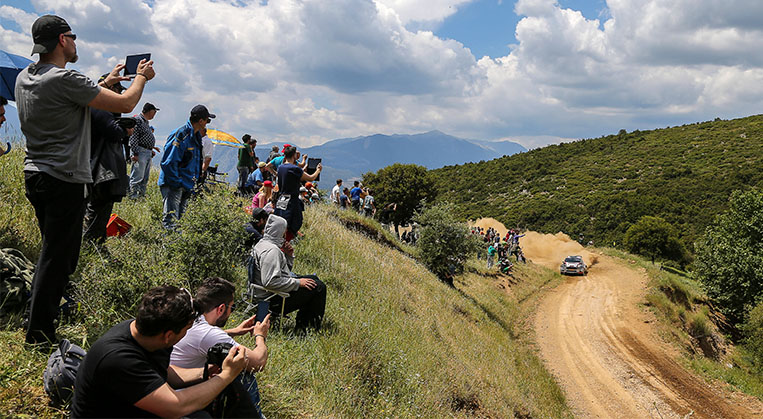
column 397, row 342
column 599, row 187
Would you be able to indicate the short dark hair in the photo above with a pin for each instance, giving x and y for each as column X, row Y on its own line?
column 3, row 101
column 213, row 292
column 339, row 181
column 356, row 183
column 246, row 138
column 164, row 308
column 195, row 118
column 289, row 151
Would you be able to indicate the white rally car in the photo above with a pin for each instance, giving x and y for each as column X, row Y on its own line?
column 573, row 265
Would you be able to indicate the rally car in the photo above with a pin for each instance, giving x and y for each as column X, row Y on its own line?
column 573, row 265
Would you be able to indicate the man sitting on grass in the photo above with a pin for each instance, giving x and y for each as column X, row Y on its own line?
column 306, row 293
column 127, row 372
column 215, row 300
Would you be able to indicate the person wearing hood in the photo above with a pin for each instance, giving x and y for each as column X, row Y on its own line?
column 274, row 257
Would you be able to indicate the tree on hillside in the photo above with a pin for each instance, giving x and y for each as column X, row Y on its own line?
column 444, row 243
column 729, row 259
column 407, row 185
column 655, row 238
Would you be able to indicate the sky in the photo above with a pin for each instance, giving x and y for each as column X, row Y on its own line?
column 532, row 71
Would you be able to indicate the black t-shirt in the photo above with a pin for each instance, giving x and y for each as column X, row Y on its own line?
column 116, row 373
column 289, row 179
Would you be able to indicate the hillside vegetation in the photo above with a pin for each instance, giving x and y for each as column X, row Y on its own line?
column 599, row 187
column 397, row 342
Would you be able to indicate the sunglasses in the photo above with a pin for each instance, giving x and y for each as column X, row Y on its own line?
column 71, row 35
column 232, row 307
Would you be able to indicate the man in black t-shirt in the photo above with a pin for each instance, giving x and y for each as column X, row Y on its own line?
column 290, row 178
column 126, row 373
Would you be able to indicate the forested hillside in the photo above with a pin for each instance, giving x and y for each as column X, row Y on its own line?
column 599, row 187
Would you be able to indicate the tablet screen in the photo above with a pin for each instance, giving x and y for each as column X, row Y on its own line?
column 132, row 61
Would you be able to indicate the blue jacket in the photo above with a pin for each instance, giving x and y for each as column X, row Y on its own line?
column 181, row 161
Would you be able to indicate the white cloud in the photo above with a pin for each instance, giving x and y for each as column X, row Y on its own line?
column 423, row 10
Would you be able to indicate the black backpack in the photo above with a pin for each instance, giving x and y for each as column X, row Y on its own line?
column 61, row 372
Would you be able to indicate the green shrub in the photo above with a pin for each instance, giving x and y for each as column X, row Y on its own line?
column 730, row 256
column 444, row 242
column 753, row 329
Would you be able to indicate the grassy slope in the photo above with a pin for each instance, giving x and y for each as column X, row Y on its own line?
column 685, row 313
column 599, row 187
column 397, row 341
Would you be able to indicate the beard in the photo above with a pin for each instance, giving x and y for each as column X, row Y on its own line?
column 221, row 321
column 74, row 58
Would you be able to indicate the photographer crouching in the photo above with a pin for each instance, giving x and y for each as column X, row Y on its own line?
column 206, row 343
column 127, row 372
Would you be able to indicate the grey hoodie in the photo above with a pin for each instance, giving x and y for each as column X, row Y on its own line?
column 274, row 271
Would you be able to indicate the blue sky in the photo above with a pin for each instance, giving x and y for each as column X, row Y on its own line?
column 487, row 27
column 531, row 71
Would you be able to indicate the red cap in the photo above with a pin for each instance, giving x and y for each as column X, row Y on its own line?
column 284, row 147
column 267, row 183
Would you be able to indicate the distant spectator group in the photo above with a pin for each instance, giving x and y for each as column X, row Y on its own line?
column 495, row 247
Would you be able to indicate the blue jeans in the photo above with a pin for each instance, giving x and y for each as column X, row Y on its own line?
column 175, row 203
column 250, row 385
column 139, row 173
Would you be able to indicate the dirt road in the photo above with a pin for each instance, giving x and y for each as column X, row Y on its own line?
column 603, row 349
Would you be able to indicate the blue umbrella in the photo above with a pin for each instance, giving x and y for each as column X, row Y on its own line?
column 10, row 67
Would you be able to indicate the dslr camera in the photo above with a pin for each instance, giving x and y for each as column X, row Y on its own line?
column 216, row 354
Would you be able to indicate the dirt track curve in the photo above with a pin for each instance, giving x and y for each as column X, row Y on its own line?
column 603, row 349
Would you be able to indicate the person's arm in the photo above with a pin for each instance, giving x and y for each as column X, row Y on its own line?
column 166, row 402
column 312, row 177
column 178, row 377
column 257, row 357
column 205, row 165
column 125, row 102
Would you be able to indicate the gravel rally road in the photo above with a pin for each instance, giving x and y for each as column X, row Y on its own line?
column 603, row 349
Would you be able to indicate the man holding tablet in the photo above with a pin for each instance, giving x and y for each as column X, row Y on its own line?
column 53, row 111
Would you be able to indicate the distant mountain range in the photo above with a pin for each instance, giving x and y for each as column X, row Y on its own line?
column 349, row 158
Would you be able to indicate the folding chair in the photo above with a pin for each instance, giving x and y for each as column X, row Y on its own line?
column 250, row 296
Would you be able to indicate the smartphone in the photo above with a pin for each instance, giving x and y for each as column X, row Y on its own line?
column 263, row 308
column 131, row 63
column 312, row 166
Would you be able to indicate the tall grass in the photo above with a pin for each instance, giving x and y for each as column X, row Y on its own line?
column 397, row 342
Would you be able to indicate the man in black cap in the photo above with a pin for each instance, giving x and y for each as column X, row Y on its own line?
column 53, row 111
column 181, row 165
column 143, row 149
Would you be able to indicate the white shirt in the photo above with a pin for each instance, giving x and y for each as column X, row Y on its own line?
column 207, row 147
column 335, row 194
column 191, row 351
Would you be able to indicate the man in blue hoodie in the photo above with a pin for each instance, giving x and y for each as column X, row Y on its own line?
column 181, row 165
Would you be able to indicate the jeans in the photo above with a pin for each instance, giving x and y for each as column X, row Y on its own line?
column 250, row 385
column 60, row 209
column 139, row 173
column 175, row 203
column 243, row 173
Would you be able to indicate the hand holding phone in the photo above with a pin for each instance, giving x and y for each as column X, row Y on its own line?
column 263, row 308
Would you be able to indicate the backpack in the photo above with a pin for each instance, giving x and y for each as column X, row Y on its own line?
column 59, row 375
column 16, row 273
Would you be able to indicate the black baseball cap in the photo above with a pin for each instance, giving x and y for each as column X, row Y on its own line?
column 202, row 112
column 45, row 31
column 148, row 107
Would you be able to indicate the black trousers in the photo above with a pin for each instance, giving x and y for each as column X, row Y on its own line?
column 310, row 303
column 60, row 208
column 97, row 214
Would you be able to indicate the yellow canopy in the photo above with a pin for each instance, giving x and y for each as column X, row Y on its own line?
column 223, row 138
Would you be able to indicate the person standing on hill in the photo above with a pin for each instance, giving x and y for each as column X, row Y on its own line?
column 369, row 206
column 290, row 176
column 355, row 195
column 336, row 191
column 273, row 154
column 143, row 149
column 110, row 182
column 181, row 165
column 52, row 104
column 245, row 163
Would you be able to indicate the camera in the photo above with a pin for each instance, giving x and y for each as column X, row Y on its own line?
column 216, row 354
column 126, row 122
